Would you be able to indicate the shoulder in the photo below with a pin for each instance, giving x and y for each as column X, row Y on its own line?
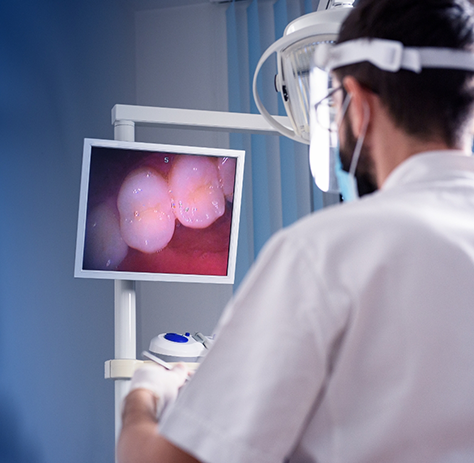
column 343, row 220
column 348, row 232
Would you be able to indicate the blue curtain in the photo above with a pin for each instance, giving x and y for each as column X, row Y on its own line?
column 278, row 187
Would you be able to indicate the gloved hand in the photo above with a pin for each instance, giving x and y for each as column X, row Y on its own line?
column 163, row 384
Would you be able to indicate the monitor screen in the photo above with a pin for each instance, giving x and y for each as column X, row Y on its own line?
column 158, row 212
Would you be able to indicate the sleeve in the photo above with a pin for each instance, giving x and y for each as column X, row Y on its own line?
column 251, row 398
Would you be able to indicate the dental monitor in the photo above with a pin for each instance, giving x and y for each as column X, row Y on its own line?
column 156, row 212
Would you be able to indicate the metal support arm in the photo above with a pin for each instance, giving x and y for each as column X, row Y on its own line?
column 196, row 119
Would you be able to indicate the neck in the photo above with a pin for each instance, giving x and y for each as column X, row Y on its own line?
column 395, row 151
column 390, row 146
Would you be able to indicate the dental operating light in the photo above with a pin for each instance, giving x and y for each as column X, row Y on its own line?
column 309, row 41
column 295, row 51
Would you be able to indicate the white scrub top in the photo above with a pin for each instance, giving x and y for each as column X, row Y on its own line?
column 352, row 338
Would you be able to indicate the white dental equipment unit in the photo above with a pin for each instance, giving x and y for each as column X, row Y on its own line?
column 295, row 52
column 124, row 119
column 176, row 347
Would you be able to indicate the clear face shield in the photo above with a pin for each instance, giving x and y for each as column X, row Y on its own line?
column 328, row 111
column 328, row 107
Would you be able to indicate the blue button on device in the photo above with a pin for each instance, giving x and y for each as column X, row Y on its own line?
column 175, row 337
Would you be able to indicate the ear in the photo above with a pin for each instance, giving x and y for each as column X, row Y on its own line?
column 361, row 101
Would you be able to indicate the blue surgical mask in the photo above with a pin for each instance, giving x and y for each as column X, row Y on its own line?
column 347, row 182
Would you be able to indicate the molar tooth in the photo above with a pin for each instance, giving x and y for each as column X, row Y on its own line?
column 146, row 220
column 196, row 191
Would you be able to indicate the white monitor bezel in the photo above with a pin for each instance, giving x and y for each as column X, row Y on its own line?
column 89, row 143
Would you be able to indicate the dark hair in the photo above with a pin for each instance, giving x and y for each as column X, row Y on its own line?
column 437, row 103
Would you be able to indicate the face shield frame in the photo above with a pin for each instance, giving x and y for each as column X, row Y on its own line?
column 392, row 56
column 387, row 55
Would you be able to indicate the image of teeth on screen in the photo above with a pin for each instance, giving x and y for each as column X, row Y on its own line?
column 158, row 212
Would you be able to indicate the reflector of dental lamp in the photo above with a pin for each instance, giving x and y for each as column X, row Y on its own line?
column 295, row 60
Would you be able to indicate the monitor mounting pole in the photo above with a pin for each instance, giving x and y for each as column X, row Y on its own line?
column 124, row 306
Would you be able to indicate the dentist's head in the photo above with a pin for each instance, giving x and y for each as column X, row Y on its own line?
column 401, row 112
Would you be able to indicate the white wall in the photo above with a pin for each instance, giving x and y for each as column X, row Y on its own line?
column 181, row 62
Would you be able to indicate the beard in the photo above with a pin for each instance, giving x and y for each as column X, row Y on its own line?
column 365, row 171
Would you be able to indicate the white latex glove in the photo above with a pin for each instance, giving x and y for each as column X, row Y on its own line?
column 164, row 384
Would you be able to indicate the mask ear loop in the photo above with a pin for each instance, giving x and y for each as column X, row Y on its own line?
column 360, row 141
column 345, row 105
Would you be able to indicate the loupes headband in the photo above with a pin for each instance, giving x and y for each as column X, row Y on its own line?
column 390, row 55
